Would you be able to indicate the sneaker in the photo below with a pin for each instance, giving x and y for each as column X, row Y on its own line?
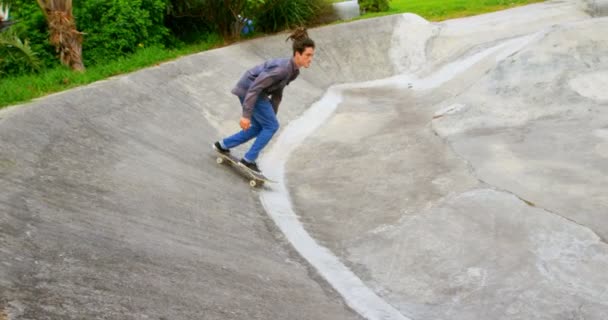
column 218, row 147
column 251, row 165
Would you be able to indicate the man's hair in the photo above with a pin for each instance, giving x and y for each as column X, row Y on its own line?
column 301, row 41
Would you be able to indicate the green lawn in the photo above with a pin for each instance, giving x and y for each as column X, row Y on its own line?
column 437, row 10
column 16, row 90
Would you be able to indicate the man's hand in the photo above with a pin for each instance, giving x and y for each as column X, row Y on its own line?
column 245, row 123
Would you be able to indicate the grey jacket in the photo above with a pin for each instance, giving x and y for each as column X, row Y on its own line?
column 269, row 79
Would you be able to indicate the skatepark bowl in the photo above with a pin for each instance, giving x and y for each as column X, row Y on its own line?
column 425, row 170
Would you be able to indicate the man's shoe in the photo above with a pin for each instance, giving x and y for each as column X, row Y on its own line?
column 218, row 147
column 251, row 165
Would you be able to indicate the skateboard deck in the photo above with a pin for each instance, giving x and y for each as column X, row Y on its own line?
column 255, row 179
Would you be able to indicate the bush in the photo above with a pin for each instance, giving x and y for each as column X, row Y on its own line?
column 373, row 5
column 113, row 28
column 16, row 55
column 118, row 27
column 31, row 27
column 222, row 15
column 276, row 15
column 188, row 29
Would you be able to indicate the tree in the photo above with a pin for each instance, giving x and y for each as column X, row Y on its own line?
column 63, row 33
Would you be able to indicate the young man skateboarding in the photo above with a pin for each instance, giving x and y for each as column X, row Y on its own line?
column 260, row 91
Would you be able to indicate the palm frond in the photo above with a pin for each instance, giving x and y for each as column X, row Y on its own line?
column 12, row 43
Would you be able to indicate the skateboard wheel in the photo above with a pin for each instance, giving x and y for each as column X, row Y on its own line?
column 219, row 160
column 253, row 183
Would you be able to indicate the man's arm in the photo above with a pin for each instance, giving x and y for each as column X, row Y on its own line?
column 263, row 81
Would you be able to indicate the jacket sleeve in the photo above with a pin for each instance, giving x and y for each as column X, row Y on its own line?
column 264, row 80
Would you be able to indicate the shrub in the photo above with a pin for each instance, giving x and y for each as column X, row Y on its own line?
column 112, row 28
column 118, row 27
column 16, row 56
column 31, row 29
column 373, row 5
column 223, row 15
column 276, row 15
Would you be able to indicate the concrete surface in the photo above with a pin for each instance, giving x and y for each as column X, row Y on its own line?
column 452, row 170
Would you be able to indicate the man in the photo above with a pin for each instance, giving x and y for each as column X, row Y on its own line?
column 260, row 91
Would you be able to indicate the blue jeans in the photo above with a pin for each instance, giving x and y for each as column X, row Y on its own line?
column 264, row 124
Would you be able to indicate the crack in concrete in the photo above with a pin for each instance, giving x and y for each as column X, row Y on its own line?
column 473, row 173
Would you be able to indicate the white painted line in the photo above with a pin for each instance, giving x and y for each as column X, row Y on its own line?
column 278, row 205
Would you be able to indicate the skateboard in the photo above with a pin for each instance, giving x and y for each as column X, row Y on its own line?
column 256, row 179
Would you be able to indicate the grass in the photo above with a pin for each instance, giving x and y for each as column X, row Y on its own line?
column 14, row 90
column 438, row 10
column 18, row 89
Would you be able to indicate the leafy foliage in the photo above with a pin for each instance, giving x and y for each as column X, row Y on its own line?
column 118, row 27
column 373, row 5
column 221, row 14
column 276, row 15
column 31, row 28
column 16, row 55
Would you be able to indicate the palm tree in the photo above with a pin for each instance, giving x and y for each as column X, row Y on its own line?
column 63, row 33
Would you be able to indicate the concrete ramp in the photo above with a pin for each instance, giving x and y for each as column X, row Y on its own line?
column 452, row 170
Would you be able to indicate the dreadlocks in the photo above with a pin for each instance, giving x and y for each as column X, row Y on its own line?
column 301, row 41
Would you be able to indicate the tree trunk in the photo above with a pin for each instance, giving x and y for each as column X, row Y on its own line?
column 63, row 33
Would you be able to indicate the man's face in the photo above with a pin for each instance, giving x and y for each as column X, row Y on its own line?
column 305, row 59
